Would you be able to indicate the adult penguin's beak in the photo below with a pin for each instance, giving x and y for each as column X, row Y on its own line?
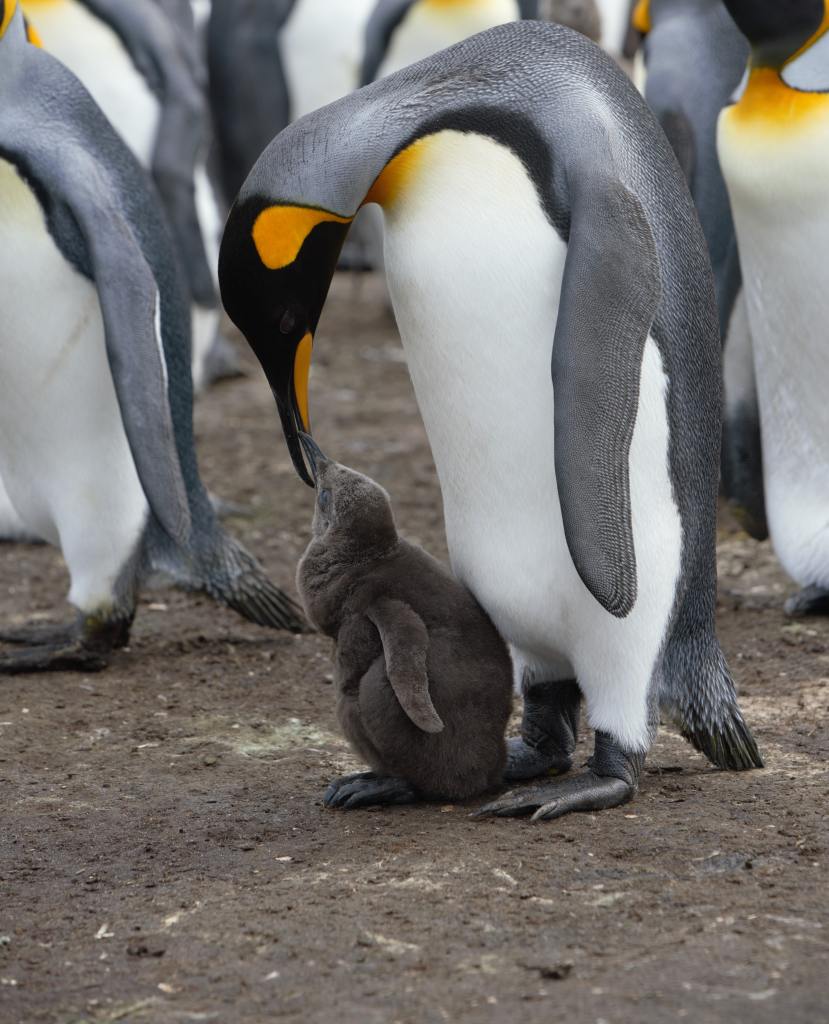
column 289, row 385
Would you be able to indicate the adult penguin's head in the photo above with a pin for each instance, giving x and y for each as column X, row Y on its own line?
column 777, row 31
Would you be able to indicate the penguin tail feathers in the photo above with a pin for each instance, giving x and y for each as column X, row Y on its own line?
column 698, row 695
column 232, row 576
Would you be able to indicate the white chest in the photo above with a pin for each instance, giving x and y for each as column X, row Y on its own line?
column 432, row 25
column 93, row 52
column 322, row 50
column 475, row 273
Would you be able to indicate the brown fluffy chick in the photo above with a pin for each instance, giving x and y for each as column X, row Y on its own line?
column 423, row 679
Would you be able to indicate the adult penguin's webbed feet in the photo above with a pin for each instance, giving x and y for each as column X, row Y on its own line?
column 612, row 779
column 549, row 730
column 80, row 646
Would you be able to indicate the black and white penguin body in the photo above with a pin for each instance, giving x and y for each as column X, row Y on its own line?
column 774, row 151
column 96, row 441
column 695, row 57
column 146, row 75
column 521, row 176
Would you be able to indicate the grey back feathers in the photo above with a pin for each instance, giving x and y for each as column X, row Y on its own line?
column 423, row 679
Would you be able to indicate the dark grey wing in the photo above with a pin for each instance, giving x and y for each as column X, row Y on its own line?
column 609, row 295
column 249, row 96
column 379, row 29
column 167, row 61
column 130, row 303
column 405, row 642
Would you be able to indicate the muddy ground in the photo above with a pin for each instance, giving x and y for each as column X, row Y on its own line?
column 164, row 855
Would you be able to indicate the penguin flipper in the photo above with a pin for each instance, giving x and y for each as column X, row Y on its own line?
column 609, row 296
column 405, row 645
column 130, row 305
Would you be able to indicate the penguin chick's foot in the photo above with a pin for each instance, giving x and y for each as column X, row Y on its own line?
column 366, row 789
column 810, row 600
column 56, row 647
column 549, row 729
column 612, row 779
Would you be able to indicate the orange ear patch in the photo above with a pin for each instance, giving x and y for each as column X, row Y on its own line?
column 280, row 231
column 7, row 9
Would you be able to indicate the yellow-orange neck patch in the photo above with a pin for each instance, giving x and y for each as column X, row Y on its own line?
column 8, row 9
column 391, row 181
column 32, row 35
column 302, row 371
column 641, row 17
column 280, row 231
column 768, row 102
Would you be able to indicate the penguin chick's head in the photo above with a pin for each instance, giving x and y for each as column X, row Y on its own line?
column 7, row 9
column 275, row 268
column 352, row 512
column 777, row 31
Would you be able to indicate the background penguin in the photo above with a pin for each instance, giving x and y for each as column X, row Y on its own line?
column 96, row 434
column 774, row 151
column 424, row 681
column 521, row 176
column 695, row 57
column 145, row 73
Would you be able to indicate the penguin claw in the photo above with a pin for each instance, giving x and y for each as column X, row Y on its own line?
column 367, row 789
column 526, row 762
column 585, row 792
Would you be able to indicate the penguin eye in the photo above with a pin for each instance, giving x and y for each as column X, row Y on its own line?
column 324, row 500
column 288, row 321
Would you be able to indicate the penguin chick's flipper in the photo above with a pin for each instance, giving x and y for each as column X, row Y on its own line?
column 549, row 730
column 367, row 789
column 405, row 645
column 596, row 368
column 130, row 305
column 612, row 779
column 810, row 600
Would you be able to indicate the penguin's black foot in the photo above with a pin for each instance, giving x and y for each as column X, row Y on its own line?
column 526, row 762
column 67, row 657
column 612, row 779
column 41, row 633
column 366, row 789
column 586, row 792
column 810, row 600
column 549, row 729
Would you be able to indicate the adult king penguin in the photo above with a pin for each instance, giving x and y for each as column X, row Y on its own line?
column 536, row 223
column 774, row 150
column 695, row 58
column 96, row 434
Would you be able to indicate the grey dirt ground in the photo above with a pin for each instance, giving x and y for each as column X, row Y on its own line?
column 164, row 855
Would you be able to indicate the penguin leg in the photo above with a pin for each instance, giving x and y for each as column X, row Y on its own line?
column 51, row 647
column 368, row 789
column 811, row 600
column 612, row 779
column 549, row 729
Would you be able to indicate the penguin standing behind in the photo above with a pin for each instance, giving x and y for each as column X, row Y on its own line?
column 96, row 432
column 554, row 297
column 695, row 58
column 145, row 73
column 774, row 151
column 424, row 682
